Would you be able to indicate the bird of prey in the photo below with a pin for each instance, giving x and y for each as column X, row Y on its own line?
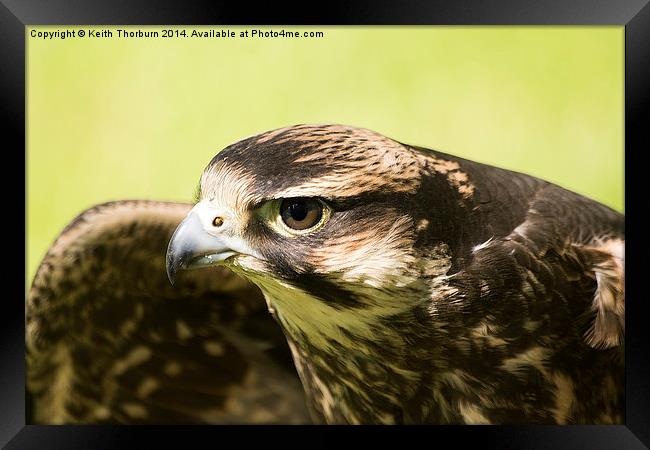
column 411, row 287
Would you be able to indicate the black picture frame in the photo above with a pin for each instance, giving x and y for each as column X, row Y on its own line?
column 15, row 15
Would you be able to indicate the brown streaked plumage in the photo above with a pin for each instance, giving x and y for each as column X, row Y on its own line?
column 110, row 341
column 432, row 290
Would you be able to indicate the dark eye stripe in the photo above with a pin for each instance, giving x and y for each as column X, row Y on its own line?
column 301, row 213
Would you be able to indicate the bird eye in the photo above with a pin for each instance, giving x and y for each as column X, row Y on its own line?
column 301, row 213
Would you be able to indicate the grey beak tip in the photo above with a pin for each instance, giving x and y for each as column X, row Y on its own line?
column 173, row 262
column 172, row 277
column 171, row 271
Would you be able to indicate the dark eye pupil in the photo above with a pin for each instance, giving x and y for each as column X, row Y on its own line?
column 298, row 211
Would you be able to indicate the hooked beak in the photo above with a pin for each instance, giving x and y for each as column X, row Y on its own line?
column 192, row 247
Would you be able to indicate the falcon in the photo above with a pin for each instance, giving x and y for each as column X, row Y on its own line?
column 404, row 286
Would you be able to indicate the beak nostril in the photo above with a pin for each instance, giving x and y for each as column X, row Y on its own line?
column 218, row 221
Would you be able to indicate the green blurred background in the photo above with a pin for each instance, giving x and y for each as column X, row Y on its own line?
column 118, row 118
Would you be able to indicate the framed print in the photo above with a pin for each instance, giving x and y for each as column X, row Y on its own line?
column 145, row 126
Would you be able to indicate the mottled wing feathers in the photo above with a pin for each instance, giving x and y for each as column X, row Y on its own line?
column 537, row 310
column 565, row 259
column 110, row 341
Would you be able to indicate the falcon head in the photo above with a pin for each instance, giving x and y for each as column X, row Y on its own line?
column 329, row 221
